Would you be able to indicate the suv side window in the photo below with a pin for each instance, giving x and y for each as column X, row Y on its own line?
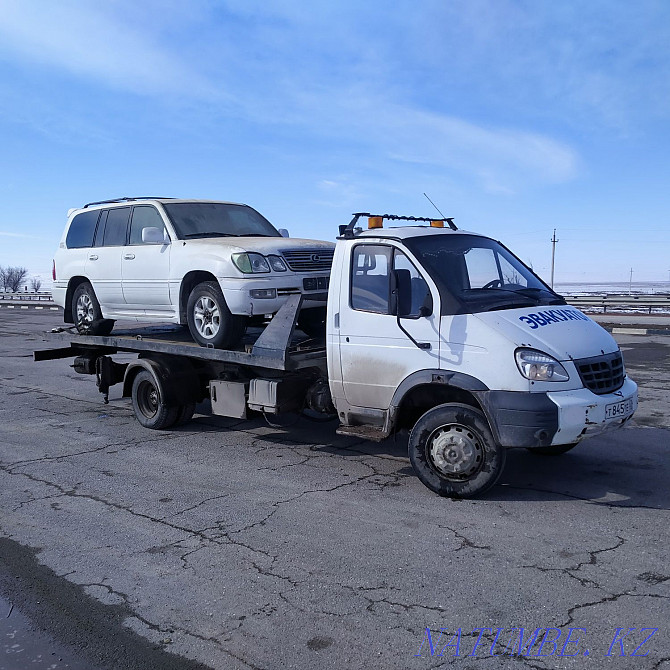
column 116, row 227
column 370, row 278
column 144, row 216
column 81, row 231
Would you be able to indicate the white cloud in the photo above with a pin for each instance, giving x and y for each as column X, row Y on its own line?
column 87, row 39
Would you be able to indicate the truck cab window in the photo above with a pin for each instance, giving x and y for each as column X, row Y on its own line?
column 370, row 278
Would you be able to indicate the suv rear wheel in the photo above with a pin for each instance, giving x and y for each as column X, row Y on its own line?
column 210, row 321
column 87, row 314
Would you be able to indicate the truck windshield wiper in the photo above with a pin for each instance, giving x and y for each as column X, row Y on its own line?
column 212, row 234
column 512, row 305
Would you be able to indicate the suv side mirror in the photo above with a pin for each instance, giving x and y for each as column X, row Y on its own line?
column 283, row 232
column 152, row 235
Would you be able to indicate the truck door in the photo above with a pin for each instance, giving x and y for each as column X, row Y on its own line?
column 375, row 354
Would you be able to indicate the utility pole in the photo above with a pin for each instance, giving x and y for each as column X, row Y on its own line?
column 553, row 256
column 630, row 283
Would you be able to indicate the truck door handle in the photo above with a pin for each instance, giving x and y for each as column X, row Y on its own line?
column 128, row 257
column 93, row 257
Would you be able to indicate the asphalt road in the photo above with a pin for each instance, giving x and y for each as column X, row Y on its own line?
column 238, row 545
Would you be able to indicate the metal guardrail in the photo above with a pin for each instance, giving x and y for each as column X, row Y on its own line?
column 648, row 302
column 24, row 295
column 642, row 301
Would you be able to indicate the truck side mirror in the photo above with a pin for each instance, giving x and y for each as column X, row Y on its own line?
column 402, row 290
column 283, row 232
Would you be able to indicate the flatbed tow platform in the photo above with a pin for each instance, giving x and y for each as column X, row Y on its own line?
column 276, row 347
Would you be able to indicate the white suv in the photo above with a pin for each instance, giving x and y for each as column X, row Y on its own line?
column 209, row 264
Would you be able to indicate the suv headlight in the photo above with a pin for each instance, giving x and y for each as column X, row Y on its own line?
column 251, row 263
column 539, row 367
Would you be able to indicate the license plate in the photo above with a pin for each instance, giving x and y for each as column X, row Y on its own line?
column 619, row 409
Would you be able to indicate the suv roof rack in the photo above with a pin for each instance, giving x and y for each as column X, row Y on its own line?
column 105, row 202
column 347, row 232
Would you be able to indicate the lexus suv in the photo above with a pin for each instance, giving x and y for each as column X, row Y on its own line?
column 214, row 266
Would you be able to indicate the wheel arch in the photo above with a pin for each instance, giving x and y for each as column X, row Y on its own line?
column 188, row 283
column 177, row 379
column 72, row 285
column 425, row 389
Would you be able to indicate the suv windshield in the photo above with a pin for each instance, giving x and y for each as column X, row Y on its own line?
column 477, row 274
column 217, row 219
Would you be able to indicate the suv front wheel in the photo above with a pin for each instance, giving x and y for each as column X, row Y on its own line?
column 86, row 312
column 210, row 321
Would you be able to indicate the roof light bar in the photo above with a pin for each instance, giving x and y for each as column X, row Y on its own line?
column 347, row 231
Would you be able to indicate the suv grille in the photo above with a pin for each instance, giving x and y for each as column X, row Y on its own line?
column 602, row 374
column 309, row 260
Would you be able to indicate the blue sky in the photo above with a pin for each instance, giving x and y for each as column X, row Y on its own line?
column 516, row 117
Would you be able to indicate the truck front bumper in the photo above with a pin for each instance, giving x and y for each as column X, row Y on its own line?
column 561, row 417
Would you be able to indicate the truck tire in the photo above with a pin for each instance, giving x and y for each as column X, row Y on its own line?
column 552, row 449
column 312, row 322
column 86, row 312
column 148, row 404
column 210, row 321
column 453, row 452
column 184, row 414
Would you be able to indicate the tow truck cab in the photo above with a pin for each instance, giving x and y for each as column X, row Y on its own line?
column 423, row 317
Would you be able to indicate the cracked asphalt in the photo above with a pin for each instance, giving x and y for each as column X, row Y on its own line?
column 228, row 544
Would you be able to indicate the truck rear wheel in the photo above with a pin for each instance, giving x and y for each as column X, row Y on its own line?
column 210, row 321
column 453, row 451
column 184, row 414
column 148, row 403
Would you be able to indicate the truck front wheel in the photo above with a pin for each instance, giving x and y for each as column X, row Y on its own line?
column 453, row 452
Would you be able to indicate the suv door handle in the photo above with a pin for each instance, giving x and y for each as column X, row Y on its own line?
column 93, row 257
column 128, row 257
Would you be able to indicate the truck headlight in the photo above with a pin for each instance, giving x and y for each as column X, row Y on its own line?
column 250, row 263
column 539, row 367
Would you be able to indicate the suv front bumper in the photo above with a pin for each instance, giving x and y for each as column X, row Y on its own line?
column 238, row 292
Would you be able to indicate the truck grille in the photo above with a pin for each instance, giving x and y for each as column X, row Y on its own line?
column 602, row 374
column 309, row 260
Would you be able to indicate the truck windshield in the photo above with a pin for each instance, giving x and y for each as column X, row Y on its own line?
column 217, row 219
column 478, row 274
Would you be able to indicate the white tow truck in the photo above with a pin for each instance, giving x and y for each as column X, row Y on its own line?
column 431, row 329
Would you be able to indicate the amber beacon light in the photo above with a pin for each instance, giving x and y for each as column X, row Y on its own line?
column 437, row 224
column 375, row 222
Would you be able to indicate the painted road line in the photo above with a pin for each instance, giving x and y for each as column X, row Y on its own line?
column 23, row 307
